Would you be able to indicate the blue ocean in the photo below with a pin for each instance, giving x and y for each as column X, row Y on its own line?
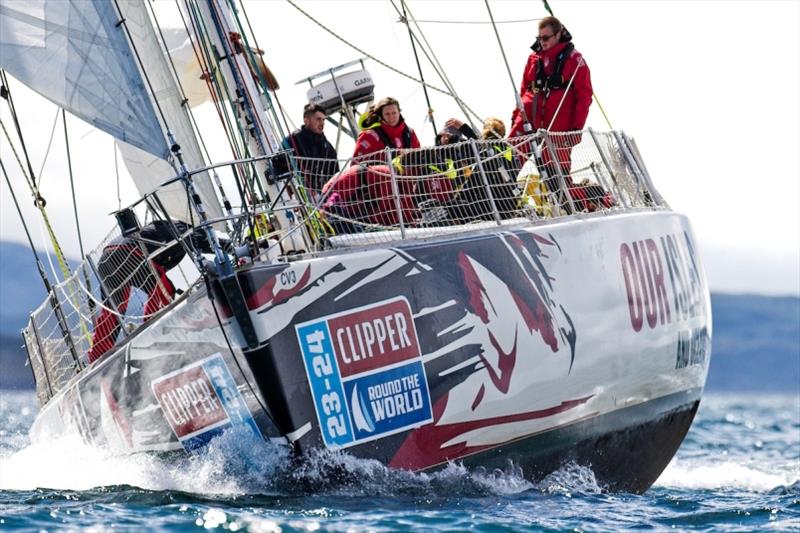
column 737, row 470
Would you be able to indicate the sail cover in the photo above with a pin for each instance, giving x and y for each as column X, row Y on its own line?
column 76, row 55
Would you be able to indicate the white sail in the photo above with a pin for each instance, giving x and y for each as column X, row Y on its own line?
column 149, row 172
column 76, row 55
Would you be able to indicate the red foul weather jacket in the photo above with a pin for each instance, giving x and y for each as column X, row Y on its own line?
column 370, row 141
column 574, row 110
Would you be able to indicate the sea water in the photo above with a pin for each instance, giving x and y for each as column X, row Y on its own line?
column 737, row 470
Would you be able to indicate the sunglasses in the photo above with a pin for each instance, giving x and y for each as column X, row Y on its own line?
column 545, row 38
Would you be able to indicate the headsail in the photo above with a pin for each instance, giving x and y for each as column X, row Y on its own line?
column 76, row 55
column 149, row 172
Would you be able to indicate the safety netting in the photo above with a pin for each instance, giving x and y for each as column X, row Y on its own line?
column 387, row 196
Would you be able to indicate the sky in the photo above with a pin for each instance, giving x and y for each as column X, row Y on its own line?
column 709, row 90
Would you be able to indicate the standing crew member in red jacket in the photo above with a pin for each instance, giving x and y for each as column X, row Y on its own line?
column 383, row 127
column 556, row 91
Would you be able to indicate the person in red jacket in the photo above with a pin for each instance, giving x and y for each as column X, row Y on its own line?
column 383, row 127
column 556, row 90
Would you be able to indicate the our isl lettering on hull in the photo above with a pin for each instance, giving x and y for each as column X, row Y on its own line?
column 647, row 267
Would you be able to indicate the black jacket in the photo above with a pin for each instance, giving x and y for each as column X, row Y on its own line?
column 306, row 143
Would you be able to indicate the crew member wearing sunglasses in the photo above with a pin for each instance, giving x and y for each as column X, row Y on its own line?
column 556, row 90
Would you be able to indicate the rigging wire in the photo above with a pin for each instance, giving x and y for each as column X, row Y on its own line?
column 39, row 265
column 116, row 173
column 5, row 92
column 261, row 140
column 517, row 97
column 185, row 105
column 122, row 22
column 72, row 183
column 375, row 59
column 517, row 21
column 275, row 93
column 39, row 201
column 219, row 91
column 49, row 144
column 203, row 56
column 419, row 67
column 75, row 207
column 209, row 76
column 249, row 187
column 442, row 73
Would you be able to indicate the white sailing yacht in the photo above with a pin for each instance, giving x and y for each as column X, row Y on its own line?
column 480, row 312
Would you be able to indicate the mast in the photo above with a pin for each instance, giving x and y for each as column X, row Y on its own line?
column 252, row 116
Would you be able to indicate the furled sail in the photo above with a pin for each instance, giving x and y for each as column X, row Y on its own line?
column 149, row 172
column 76, row 55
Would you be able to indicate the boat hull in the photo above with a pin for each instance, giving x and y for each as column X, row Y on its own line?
column 535, row 344
column 586, row 340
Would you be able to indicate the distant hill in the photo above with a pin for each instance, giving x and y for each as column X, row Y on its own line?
column 21, row 289
column 756, row 343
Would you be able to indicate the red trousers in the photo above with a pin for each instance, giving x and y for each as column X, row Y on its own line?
column 107, row 326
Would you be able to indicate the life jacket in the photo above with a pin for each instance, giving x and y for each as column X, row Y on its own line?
column 386, row 140
column 365, row 193
column 554, row 81
column 506, row 151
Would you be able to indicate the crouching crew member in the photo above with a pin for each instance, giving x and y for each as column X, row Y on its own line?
column 124, row 264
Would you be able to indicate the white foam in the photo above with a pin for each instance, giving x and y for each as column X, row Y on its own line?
column 70, row 464
column 703, row 474
column 570, row 478
column 236, row 464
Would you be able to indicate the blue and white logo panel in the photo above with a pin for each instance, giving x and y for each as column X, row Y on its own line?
column 386, row 402
column 326, row 383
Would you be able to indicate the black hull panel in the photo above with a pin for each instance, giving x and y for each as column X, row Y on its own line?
column 627, row 449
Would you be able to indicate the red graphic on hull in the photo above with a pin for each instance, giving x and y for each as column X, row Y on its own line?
column 266, row 293
column 491, row 314
column 116, row 412
column 505, row 364
column 424, row 447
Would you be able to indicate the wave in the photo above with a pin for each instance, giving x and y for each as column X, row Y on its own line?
column 236, row 464
column 730, row 474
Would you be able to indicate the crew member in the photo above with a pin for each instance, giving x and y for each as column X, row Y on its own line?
column 124, row 264
column 319, row 161
column 556, row 91
column 457, row 180
column 383, row 127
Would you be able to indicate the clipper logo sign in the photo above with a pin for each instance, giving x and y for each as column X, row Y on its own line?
column 201, row 400
column 366, row 372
